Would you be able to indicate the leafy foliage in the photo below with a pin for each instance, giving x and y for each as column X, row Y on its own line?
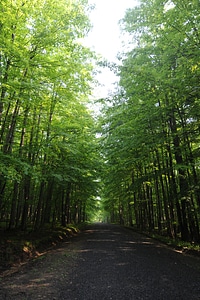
column 48, row 156
column 150, row 133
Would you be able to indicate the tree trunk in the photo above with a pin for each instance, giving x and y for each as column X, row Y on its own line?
column 39, row 206
column 27, row 183
column 4, row 88
column 13, row 211
column 181, row 176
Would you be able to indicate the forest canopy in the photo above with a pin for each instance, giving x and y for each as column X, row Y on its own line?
column 48, row 165
column 150, row 133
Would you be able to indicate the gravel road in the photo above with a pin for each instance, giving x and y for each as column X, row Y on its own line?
column 106, row 262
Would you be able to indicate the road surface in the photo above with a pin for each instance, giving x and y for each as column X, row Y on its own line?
column 106, row 262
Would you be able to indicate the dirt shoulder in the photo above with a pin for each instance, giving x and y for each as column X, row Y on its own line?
column 18, row 248
column 178, row 245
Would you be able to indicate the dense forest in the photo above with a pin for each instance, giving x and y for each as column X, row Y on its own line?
column 49, row 158
column 139, row 159
column 151, row 127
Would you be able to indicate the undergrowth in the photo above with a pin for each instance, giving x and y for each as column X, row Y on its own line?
column 18, row 246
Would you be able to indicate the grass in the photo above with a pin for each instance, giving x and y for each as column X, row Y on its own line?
column 176, row 242
column 189, row 247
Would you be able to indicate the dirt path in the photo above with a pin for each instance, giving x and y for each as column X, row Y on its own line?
column 106, row 262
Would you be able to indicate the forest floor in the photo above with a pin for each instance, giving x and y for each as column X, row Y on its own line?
column 18, row 247
column 105, row 262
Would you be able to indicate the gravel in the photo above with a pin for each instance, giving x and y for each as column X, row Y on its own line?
column 106, row 262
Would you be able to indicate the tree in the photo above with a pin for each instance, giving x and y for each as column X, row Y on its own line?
column 154, row 139
column 45, row 124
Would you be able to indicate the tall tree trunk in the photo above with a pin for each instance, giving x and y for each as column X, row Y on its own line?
column 13, row 211
column 26, row 204
column 181, row 176
column 4, row 86
column 39, row 206
column 7, row 147
column 67, row 203
column 48, row 201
